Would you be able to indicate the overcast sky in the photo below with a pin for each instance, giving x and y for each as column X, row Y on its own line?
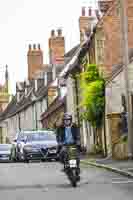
column 30, row 21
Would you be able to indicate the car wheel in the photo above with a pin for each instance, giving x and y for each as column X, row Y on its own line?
column 57, row 159
column 49, row 159
column 43, row 160
column 26, row 161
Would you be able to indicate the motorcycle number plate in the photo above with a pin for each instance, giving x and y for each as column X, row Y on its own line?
column 72, row 163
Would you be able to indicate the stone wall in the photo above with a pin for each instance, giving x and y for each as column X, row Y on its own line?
column 113, row 121
column 120, row 151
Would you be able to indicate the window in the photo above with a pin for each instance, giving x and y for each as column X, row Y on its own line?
column 123, row 102
column 100, row 50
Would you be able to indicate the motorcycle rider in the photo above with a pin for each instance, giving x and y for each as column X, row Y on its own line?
column 68, row 134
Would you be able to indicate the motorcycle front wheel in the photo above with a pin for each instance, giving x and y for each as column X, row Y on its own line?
column 73, row 177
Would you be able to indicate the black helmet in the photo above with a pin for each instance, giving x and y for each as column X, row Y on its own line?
column 67, row 116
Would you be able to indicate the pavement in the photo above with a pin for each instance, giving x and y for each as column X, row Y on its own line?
column 123, row 167
column 22, row 181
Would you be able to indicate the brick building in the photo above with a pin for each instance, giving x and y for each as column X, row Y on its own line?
column 108, row 35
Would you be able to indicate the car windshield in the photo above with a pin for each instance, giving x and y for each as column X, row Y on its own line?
column 42, row 137
column 5, row 147
column 22, row 137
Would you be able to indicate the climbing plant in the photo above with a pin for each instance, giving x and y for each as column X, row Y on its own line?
column 93, row 99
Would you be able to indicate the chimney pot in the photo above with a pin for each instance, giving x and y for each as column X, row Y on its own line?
column 39, row 47
column 29, row 47
column 52, row 33
column 83, row 11
column 59, row 31
column 97, row 14
column 34, row 46
column 90, row 12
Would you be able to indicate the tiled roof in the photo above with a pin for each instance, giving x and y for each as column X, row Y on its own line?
column 15, row 107
column 70, row 54
column 72, row 51
column 10, row 108
column 58, row 102
column 119, row 67
column 79, row 52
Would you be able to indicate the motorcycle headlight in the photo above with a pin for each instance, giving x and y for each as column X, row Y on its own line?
column 28, row 148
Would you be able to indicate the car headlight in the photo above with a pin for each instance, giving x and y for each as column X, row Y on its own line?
column 19, row 145
column 28, row 148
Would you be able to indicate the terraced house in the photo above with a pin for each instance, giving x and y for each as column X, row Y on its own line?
column 101, row 45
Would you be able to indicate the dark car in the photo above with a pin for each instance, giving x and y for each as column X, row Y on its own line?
column 5, row 152
column 41, row 146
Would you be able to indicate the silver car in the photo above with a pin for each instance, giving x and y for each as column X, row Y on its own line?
column 5, row 152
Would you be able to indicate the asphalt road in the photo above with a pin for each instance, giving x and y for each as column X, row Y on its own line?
column 39, row 181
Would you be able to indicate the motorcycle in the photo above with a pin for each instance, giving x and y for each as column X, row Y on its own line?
column 71, row 166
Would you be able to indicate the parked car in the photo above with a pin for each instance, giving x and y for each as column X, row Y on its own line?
column 17, row 146
column 13, row 148
column 5, row 152
column 40, row 145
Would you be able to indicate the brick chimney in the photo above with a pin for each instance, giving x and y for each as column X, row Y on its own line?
column 56, row 47
column 34, row 59
column 85, row 23
column 104, row 5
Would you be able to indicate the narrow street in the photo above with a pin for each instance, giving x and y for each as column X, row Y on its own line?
column 46, row 181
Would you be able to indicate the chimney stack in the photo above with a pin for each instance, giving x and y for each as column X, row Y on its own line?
column 85, row 24
column 57, row 47
column 34, row 59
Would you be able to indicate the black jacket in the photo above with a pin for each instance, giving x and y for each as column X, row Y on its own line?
column 60, row 134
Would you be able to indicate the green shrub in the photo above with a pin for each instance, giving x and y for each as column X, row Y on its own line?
column 97, row 149
column 124, row 139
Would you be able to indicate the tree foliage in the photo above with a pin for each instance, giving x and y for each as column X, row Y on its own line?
column 92, row 85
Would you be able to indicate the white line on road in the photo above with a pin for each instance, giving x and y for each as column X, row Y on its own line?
column 122, row 182
column 126, row 169
column 120, row 178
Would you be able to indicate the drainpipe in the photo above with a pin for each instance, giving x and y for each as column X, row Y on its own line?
column 77, row 101
column 36, row 117
column 105, row 138
column 19, row 124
